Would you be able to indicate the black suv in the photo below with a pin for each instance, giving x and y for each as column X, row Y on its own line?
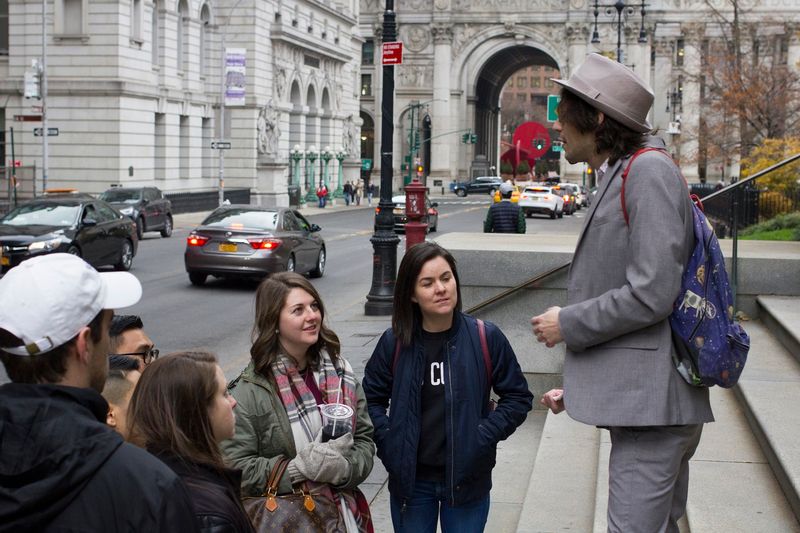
column 484, row 184
column 144, row 205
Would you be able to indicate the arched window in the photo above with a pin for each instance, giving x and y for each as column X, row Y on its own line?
column 183, row 19
column 205, row 20
column 155, row 35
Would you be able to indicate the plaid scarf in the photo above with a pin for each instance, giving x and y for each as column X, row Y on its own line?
column 337, row 383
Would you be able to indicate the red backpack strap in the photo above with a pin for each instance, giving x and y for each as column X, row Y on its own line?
column 487, row 359
column 628, row 169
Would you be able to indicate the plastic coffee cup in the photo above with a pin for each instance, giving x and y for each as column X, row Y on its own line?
column 337, row 420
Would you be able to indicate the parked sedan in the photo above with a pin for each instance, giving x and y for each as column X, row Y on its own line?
column 431, row 217
column 541, row 199
column 75, row 224
column 251, row 241
column 146, row 206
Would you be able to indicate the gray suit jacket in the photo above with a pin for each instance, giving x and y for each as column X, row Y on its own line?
column 622, row 285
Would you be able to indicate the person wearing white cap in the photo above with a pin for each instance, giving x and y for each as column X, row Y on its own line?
column 61, row 467
column 625, row 275
column 505, row 216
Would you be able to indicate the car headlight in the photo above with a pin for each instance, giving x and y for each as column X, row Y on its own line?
column 44, row 246
column 126, row 210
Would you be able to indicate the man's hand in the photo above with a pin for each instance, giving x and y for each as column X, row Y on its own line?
column 546, row 328
column 553, row 400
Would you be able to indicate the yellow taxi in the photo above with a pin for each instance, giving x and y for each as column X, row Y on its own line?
column 514, row 195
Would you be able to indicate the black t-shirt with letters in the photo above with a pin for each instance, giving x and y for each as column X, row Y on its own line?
column 432, row 440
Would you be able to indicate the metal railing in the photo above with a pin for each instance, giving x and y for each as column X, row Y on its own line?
column 741, row 211
column 735, row 189
column 517, row 288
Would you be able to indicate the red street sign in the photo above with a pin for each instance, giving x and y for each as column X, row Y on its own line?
column 28, row 118
column 392, row 53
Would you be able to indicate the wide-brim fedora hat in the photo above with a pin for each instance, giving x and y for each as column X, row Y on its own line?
column 614, row 89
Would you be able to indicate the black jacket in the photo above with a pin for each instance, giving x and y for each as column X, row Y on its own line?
column 504, row 217
column 63, row 469
column 473, row 430
column 215, row 495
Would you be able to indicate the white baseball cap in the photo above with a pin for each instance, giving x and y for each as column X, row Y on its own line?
column 47, row 300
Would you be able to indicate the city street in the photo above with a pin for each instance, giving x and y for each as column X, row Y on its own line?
column 219, row 315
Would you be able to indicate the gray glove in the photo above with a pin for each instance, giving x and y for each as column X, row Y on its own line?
column 343, row 445
column 320, row 462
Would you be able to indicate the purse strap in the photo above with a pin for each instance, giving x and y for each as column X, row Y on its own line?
column 276, row 475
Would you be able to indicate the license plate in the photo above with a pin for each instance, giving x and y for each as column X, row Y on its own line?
column 227, row 247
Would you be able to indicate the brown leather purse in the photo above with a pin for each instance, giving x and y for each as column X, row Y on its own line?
column 299, row 512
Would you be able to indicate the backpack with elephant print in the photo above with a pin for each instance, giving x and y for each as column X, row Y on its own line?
column 710, row 346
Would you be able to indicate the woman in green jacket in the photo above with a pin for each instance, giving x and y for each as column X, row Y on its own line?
column 295, row 367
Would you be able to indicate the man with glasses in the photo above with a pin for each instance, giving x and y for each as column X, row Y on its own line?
column 129, row 339
column 62, row 468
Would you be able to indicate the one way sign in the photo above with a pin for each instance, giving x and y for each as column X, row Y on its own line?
column 51, row 132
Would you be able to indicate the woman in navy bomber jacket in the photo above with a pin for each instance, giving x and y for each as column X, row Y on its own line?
column 440, row 439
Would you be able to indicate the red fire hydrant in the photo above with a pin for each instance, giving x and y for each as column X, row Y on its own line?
column 415, row 212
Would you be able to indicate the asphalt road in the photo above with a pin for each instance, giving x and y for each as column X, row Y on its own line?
column 219, row 316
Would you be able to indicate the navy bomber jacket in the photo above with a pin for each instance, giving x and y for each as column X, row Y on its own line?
column 473, row 429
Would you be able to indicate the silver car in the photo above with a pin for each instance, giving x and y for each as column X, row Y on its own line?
column 246, row 240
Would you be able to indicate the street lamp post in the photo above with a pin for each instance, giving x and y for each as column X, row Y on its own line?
column 623, row 12
column 341, row 154
column 296, row 155
column 311, row 156
column 326, row 155
column 384, row 240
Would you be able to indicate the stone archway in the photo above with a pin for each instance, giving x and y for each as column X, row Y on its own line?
column 488, row 88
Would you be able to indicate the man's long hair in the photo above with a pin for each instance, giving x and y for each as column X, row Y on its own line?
column 609, row 135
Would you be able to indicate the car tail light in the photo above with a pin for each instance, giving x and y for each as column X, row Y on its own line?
column 264, row 244
column 196, row 240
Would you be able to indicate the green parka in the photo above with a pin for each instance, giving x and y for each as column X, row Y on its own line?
column 263, row 433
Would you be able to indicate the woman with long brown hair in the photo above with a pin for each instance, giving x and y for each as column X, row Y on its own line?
column 295, row 369
column 180, row 411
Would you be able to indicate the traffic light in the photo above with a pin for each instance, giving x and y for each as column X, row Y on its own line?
column 538, row 143
column 473, row 138
column 419, row 170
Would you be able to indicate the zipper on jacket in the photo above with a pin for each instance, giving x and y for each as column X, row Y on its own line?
column 452, row 429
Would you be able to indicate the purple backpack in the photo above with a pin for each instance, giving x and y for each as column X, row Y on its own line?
column 710, row 347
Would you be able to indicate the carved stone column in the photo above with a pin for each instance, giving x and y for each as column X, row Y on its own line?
column 793, row 32
column 662, row 81
column 441, row 146
column 690, row 118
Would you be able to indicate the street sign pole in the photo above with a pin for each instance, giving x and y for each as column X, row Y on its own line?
column 44, row 95
column 384, row 240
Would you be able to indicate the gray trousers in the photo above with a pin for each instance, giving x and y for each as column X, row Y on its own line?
column 648, row 477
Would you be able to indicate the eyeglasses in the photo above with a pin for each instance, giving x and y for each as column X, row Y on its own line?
column 147, row 356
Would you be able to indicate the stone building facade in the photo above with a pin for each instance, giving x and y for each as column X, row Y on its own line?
column 459, row 53
column 134, row 87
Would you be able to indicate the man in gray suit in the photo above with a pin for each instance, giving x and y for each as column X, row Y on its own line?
column 624, row 278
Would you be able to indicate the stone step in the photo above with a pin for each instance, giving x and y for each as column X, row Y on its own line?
column 769, row 392
column 781, row 314
column 561, row 491
column 731, row 484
